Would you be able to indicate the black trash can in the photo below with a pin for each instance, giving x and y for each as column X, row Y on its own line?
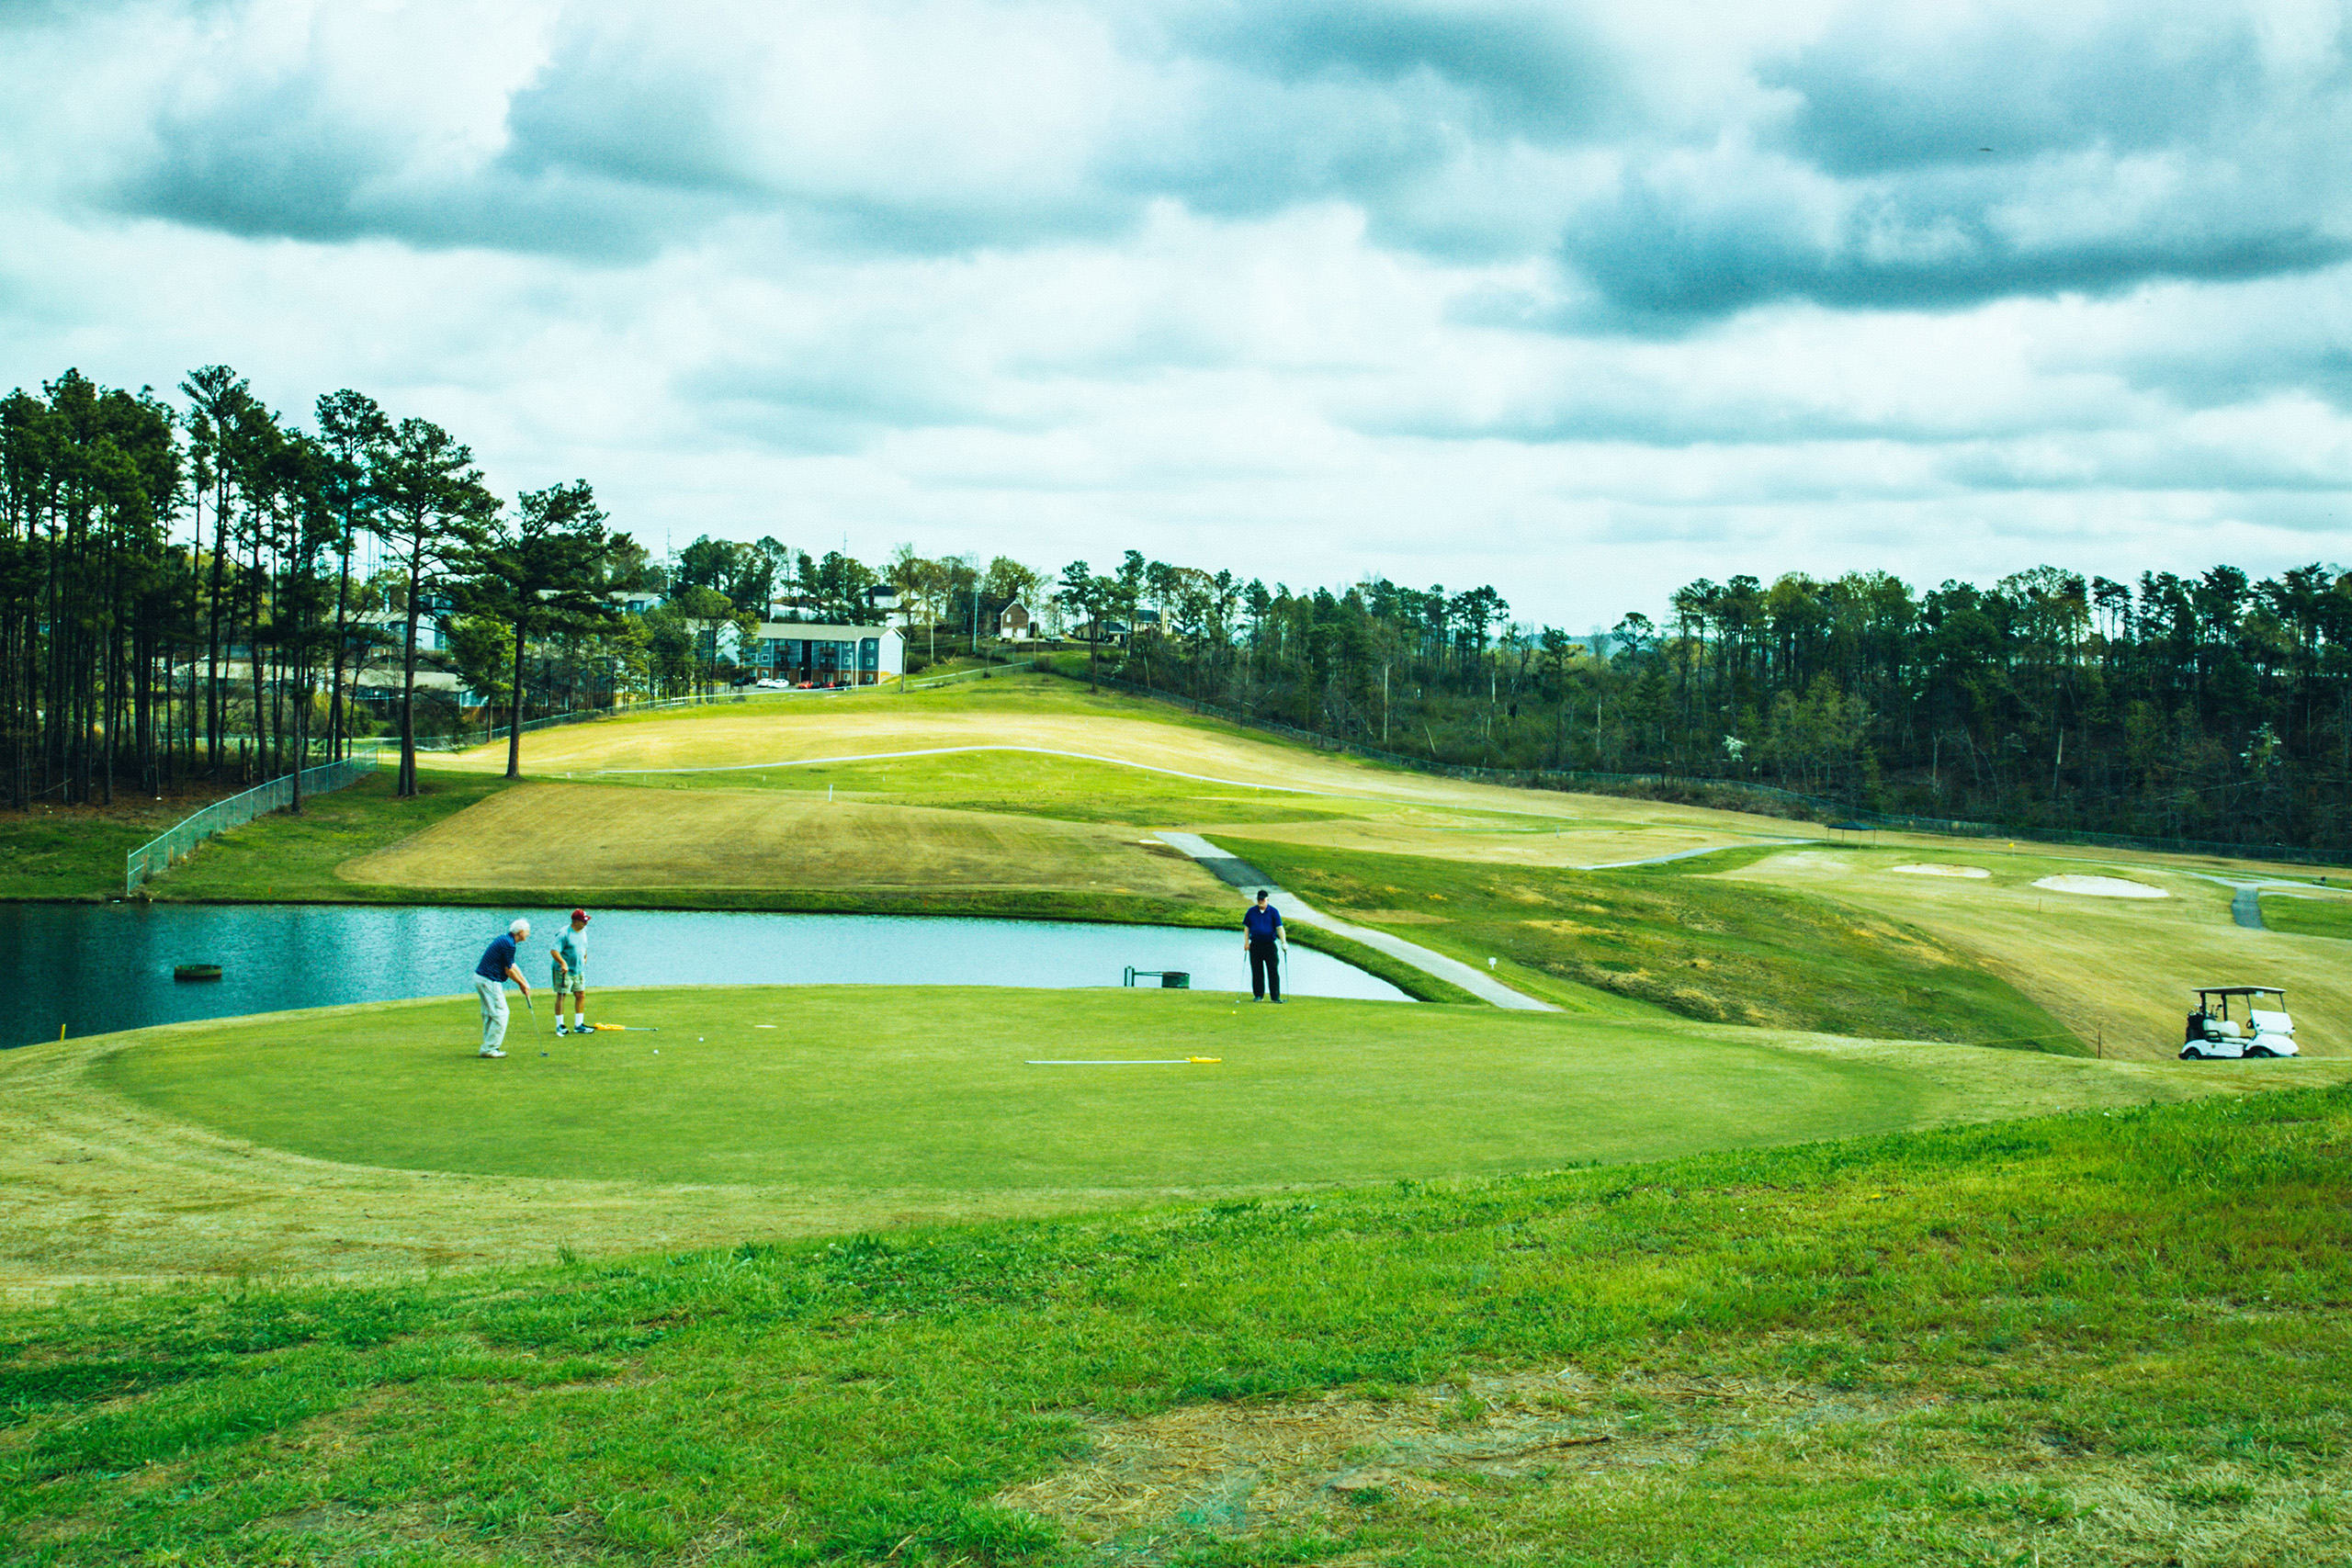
column 1175, row 979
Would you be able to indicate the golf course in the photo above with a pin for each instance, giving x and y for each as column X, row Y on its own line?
column 1844, row 1188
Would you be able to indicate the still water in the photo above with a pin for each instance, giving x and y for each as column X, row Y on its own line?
column 92, row 968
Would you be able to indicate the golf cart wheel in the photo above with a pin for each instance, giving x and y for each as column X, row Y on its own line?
column 2264, row 1051
column 2191, row 1054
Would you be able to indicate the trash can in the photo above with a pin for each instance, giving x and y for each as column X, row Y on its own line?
column 1175, row 979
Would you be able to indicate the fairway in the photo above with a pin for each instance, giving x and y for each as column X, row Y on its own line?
column 580, row 836
column 1074, row 746
column 2115, row 970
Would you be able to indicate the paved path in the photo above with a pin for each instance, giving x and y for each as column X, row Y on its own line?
column 1694, row 854
column 2246, row 898
column 1240, row 873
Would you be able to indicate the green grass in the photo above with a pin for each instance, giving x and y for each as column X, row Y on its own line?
column 862, row 1087
column 2089, row 1339
column 1072, row 789
column 1732, row 952
column 2307, row 916
column 282, row 857
column 77, row 853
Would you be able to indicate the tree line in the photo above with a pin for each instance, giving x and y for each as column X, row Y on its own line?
column 182, row 601
column 198, row 592
column 2217, row 707
column 179, row 603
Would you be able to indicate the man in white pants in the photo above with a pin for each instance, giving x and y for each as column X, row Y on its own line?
column 497, row 967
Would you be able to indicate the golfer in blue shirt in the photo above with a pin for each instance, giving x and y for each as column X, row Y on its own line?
column 497, row 967
column 1265, row 940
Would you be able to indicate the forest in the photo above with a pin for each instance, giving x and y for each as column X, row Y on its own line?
column 198, row 593
column 2217, row 707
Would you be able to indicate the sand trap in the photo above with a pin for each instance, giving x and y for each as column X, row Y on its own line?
column 1941, row 870
column 2101, row 887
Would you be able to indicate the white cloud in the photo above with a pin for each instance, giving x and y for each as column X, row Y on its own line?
column 1585, row 305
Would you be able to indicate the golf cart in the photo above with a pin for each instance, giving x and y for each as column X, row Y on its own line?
column 2256, row 1030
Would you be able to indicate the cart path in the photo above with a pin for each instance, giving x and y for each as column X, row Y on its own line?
column 1241, row 873
column 2246, row 907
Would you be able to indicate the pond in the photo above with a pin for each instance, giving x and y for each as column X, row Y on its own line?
column 93, row 968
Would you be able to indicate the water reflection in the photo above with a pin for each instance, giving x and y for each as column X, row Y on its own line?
column 93, row 968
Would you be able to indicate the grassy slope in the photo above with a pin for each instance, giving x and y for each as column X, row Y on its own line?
column 2307, row 916
column 2091, row 1339
column 76, row 852
column 94, row 1186
column 1020, row 693
column 1071, row 789
column 289, row 858
column 862, row 1087
column 1723, row 951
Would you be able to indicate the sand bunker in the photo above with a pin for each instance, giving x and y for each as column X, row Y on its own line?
column 2101, row 887
column 1941, row 870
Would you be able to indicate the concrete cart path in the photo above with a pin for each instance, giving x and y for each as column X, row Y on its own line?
column 1240, row 873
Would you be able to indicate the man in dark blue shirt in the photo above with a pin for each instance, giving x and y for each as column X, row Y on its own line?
column 1265, row 940
column 497, row 967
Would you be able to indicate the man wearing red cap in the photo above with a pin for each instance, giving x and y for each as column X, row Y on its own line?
column 570, row 955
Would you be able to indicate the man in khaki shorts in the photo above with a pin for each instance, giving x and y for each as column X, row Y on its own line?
column 570, row 955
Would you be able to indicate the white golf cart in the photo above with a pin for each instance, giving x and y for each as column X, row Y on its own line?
column 2254, row 1030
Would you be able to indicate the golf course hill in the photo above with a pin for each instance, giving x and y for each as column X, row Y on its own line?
column 1826, row 1200
column 1027, row 794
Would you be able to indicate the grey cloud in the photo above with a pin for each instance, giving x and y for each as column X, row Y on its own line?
column 1659, row 261
column 1530, row 66
column 599, row 108
column 282, row 162
column 810, row 404
column 1877, row 97
column 2261, row 367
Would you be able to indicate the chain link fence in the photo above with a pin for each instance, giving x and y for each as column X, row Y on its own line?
column 158, row 855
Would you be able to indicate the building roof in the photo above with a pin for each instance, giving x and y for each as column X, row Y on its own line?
column 821, row 632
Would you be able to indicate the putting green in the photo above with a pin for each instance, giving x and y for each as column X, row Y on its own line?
column 858, row 1089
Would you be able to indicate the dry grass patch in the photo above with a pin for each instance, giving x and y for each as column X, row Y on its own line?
column 1245, row 1468
column 582, row 836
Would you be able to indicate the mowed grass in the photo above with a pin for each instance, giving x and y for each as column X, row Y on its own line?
column 2092, row 1340
column 1071, row 789
column 2303, row 915
column 566, row 835
column 1664, row 940
column 929, row 1091
column 285, row 857
column 2119, row 972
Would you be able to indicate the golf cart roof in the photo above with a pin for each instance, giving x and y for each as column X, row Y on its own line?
column 2240, row 991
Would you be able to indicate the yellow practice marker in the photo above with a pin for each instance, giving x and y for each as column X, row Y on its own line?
column 1201, row 1061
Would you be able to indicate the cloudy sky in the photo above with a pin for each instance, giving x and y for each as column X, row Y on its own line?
column 1582, row 302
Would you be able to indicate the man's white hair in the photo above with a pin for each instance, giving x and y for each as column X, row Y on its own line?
column 520, row 928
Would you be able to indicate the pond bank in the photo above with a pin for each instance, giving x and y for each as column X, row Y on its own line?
column 95, row 969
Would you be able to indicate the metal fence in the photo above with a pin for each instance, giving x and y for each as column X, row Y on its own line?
column 158, row 855
column 925, row 684
column 1835, row 813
